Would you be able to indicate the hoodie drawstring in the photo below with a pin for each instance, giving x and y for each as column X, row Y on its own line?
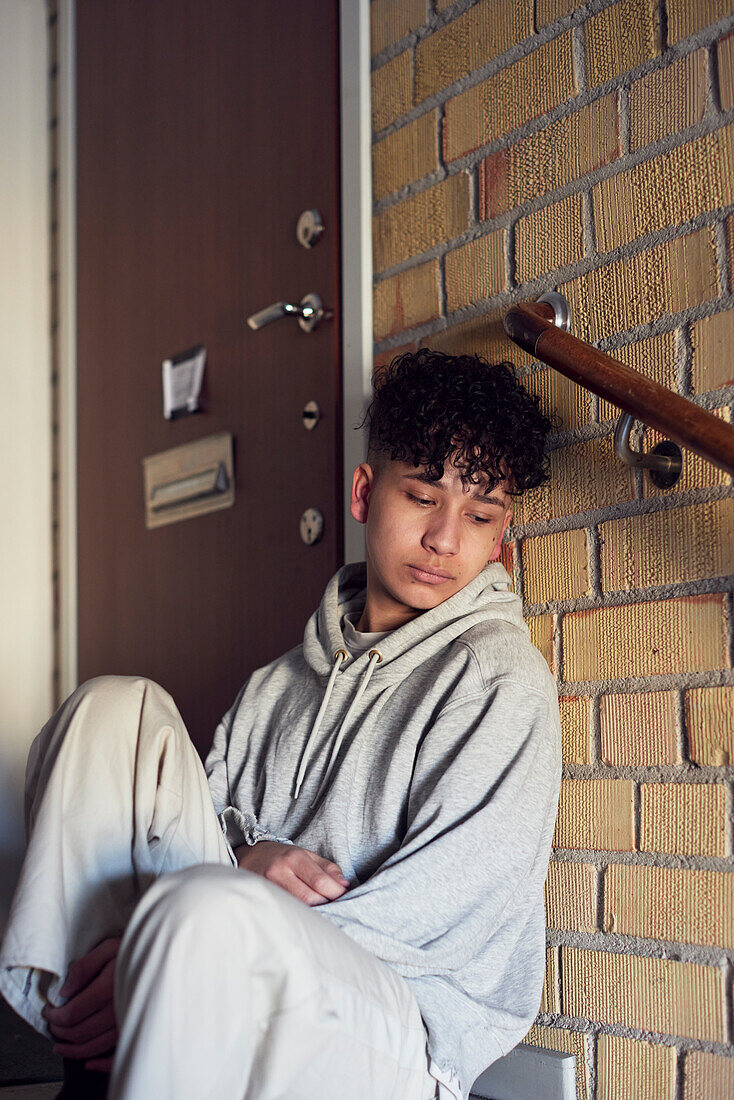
column 375, row 659
column 339, row 657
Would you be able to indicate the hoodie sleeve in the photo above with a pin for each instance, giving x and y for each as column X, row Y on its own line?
column 239, row 826
column 480, row 817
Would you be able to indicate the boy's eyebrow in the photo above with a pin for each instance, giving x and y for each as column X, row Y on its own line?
column 476, row 494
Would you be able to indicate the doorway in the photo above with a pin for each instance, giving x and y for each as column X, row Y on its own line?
column 200, row 140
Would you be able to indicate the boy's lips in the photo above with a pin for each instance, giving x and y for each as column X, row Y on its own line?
column 430, row 575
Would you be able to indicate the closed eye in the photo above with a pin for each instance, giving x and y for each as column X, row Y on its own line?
column 419, row 500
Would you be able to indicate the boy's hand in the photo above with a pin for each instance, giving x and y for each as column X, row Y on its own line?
column 305, row 874
column 85, row 1027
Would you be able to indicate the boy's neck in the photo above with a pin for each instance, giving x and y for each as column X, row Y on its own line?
column 378, row 619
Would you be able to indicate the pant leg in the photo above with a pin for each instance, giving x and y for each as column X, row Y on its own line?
column 228, row 988
column 115, row 795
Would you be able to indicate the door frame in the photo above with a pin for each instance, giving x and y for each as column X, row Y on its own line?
column 356, row 303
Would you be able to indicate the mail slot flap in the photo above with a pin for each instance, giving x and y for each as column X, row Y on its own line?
column 189, row 481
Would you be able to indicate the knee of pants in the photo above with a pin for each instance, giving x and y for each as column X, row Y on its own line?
column 114, row 706
column 208, row 913
column 209, row 903
column 116, row 688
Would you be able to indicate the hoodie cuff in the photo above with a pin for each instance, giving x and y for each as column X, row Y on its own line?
column 243, row 828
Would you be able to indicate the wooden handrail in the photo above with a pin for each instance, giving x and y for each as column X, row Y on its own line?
column 530, row 325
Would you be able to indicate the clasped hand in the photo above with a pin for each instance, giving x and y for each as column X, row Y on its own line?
column 85, row 1028
column 304, row 874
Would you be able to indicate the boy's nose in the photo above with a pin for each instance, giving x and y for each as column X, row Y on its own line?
column 442, row 537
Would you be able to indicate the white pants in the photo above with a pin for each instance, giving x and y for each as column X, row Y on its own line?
column 226, row 986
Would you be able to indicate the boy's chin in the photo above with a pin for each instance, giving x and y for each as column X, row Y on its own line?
column 424, row 597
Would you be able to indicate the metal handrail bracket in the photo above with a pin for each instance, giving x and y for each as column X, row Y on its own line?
column 540, row 328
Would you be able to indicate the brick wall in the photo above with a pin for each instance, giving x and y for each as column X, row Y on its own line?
column 524, row 146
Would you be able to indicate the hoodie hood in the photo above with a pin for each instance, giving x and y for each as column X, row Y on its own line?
column 488, row 596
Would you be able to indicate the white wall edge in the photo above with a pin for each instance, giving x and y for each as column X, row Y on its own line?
column 356, row 238
column 68, row 600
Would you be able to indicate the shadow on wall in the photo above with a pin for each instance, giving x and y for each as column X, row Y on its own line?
column 12, row 839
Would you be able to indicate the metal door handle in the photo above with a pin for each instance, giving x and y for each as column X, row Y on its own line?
column 309, row 311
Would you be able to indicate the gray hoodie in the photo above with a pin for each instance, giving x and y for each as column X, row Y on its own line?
column 428, row 769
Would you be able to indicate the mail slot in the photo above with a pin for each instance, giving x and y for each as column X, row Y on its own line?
column 189, row 480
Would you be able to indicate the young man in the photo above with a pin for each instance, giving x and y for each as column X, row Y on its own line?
column 390, row 785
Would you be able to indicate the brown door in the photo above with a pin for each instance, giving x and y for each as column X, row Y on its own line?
column 203, row 131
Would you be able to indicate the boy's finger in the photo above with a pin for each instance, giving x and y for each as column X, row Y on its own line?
column 83, row 1004
column 334, row 869
column 303, row 892
column 96, row 1024
column 101, row 1045
column 82, row 971
column 322, row 883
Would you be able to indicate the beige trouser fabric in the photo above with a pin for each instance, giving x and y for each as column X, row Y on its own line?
column 226, row 986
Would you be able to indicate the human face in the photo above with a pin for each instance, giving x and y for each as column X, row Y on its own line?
column 425, row 539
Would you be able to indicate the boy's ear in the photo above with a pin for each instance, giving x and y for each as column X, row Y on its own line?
column 362, row 481
column 498, row 548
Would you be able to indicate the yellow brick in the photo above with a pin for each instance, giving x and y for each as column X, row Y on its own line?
column 391, row 20
column 668, row 278
column 726, row 72
column 475, row 271
column 541, row 635
column 483, row 335
column 392, row 90
column 710, row 723
column 672, row 189
column 556, row 567
column 406, row 300
column 682, row 544
column 713, row 340
column 696, row 473
column 660, row 995
column 654, row 358
column 550, row 238
column 421, row 221
column 549, row 995
column 584, row 476
column 707, row 1076
column 668, row 100
column 547, row 11
column 560, row 397
column 684, row 818
column 470, row 40
column 638, row 729
column 575, row 747
column 408, row 154
column 596, row 813
column 620, row 38
column 501, row 103
column 630, row 1067
column 571, row 1042
column 570, row 901
column 685, row 17
column 670, row 903
column 658, row 638
column 563, row 151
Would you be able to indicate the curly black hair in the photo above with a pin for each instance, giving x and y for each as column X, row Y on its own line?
column 429, row 406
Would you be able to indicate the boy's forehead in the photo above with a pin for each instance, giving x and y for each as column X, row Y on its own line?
column 454, row 479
